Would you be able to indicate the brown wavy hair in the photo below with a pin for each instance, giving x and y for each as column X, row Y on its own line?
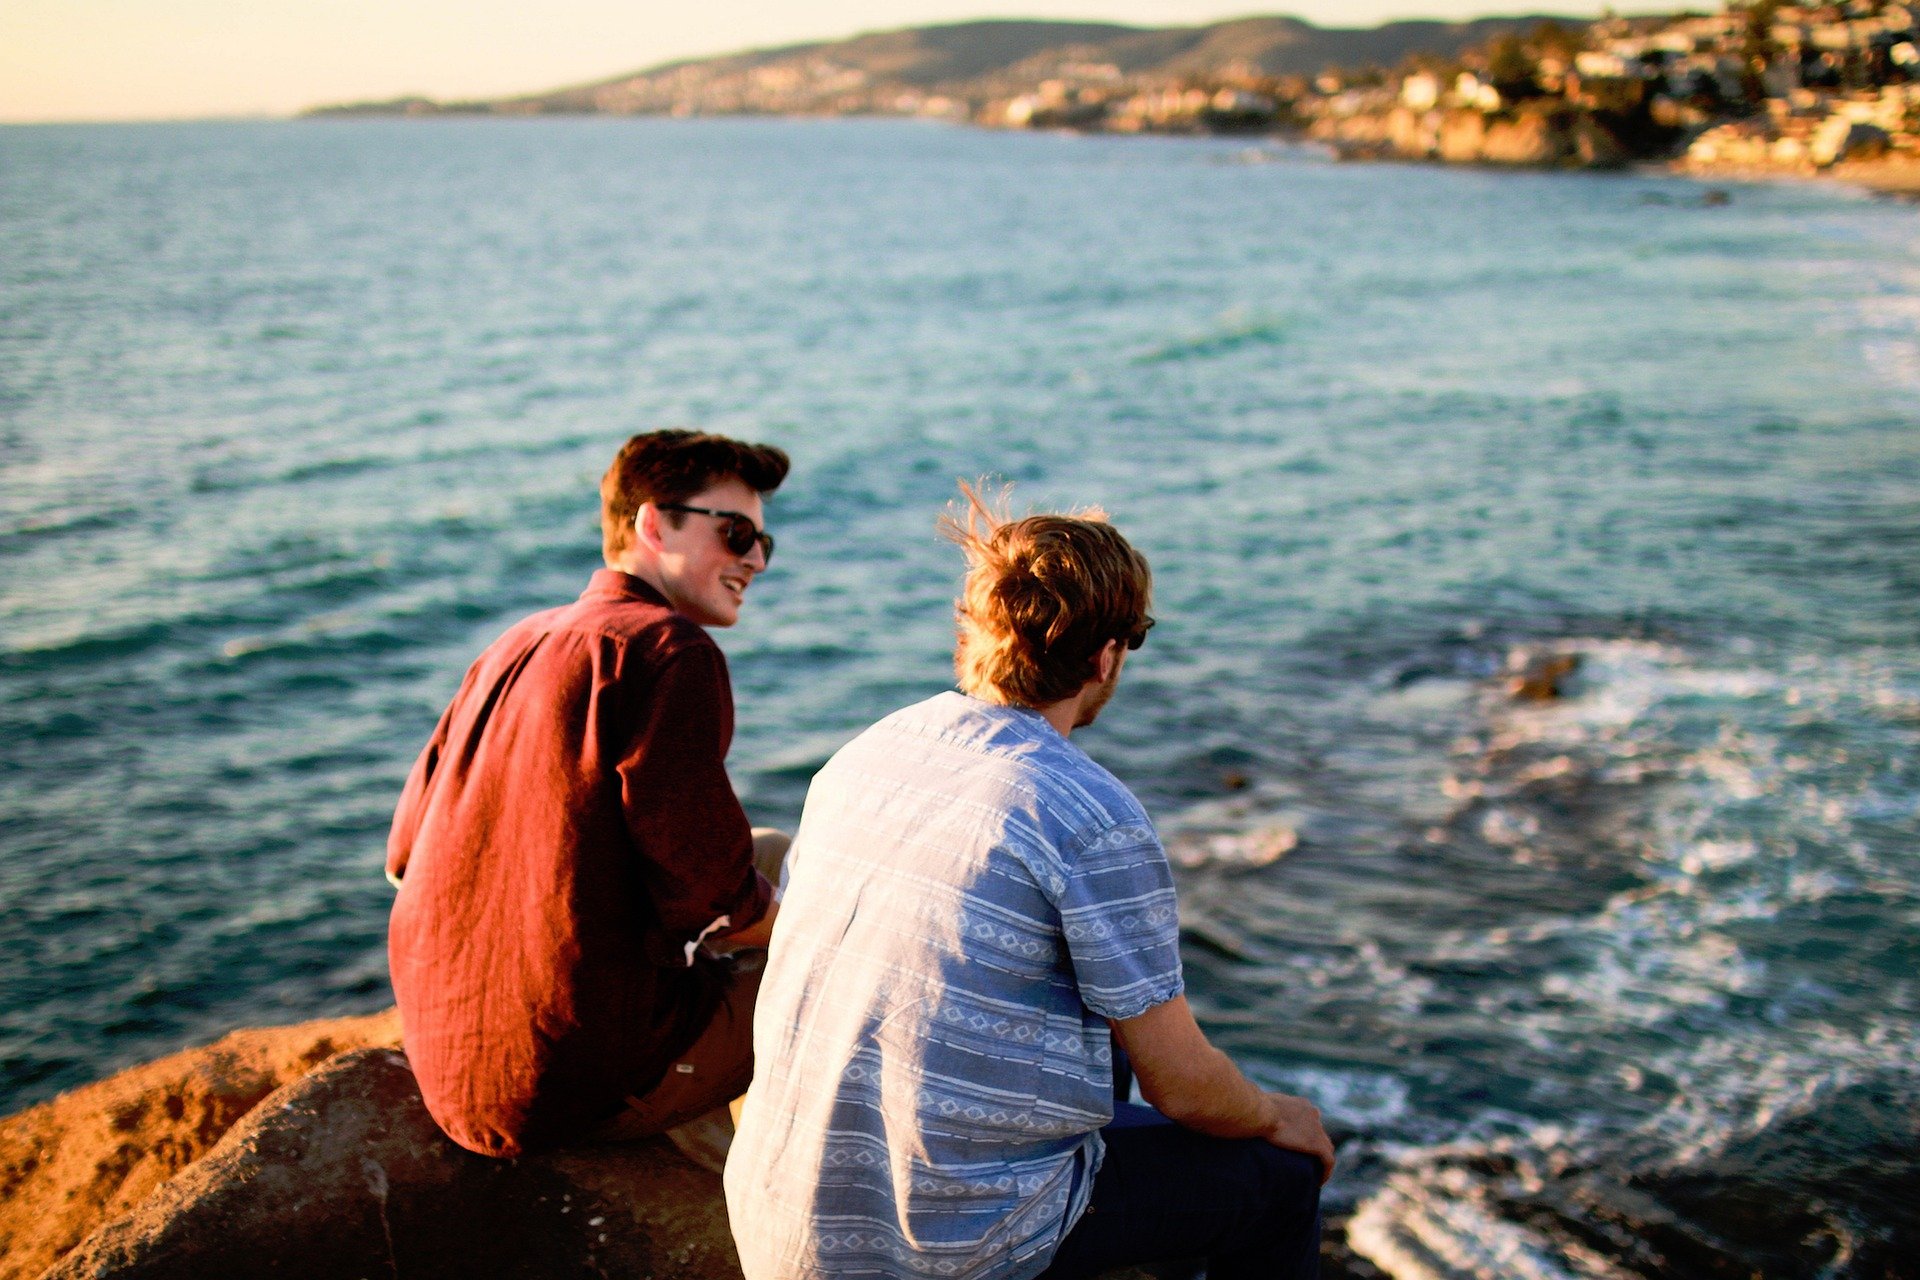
column 672, row 466
column 1043, row 595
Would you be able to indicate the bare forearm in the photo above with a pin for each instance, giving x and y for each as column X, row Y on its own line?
column 1213, row 1097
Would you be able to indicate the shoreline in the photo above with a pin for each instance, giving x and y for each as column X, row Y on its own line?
column 1897, row 178
column 1893, row 179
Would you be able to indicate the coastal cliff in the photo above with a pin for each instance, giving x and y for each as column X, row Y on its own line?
column 1533, row 135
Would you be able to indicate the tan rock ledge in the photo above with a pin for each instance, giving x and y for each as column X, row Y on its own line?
column 196, row 1166
column 92, row 1154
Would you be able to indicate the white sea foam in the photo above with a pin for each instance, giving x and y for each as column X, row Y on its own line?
column 1739, row 830
column 1740, row 1083
column 1362, row 1100
column 1889, row 332
column 1262, row 846
column 1434, row 1228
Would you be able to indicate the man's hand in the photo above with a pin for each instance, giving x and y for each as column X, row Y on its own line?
column 1296, row 1127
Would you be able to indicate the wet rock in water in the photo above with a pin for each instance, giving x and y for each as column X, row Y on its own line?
column 1540, row 677
column 1813, row 1191
column 94, row 1153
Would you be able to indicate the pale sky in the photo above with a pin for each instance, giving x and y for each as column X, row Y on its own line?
column 167, row 59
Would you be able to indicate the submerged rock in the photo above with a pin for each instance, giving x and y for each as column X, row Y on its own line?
column 1540, row 677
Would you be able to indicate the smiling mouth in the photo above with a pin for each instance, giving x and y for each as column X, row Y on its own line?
column 735, row 584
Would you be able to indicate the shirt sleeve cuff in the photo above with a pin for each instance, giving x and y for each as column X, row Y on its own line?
column 718, row 923
column 1158, row 995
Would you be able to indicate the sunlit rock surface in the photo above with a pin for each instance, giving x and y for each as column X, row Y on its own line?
column 339, row 1173
column 94, row 1153
column 344, row 1174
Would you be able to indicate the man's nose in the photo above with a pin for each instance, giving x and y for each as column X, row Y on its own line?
column 756, row 558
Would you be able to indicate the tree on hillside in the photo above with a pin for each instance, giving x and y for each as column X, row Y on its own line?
column 1512, row 68
column 1551, row 39
column 1759, row 16
column 1439, row 66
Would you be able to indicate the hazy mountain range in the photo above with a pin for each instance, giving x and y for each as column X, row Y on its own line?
column 971, row 62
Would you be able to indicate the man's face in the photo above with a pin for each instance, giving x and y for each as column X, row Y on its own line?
column 699, row 576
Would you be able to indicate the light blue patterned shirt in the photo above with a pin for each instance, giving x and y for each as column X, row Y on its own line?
column 971, row 898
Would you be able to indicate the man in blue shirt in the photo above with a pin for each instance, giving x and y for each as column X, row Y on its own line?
column 975, row 910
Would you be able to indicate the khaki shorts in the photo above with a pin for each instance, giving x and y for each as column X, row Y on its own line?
column 713, row 1071
column 718, row 1066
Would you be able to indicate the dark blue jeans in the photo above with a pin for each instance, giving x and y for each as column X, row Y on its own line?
column 1165, row 1194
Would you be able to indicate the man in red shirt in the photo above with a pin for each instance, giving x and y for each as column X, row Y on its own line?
column 569, row 837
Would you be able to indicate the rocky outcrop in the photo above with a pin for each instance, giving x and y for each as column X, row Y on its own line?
column 195, row 1166
column 1542, row 134
column 93, row 1154
column 343, row 1174
column 1839, row 138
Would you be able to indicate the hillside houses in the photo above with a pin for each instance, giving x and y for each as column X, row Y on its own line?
column 1760, row 85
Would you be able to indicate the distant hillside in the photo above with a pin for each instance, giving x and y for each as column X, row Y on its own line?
column 966, row 64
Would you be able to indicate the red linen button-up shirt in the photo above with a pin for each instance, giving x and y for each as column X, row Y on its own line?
column 567, row 832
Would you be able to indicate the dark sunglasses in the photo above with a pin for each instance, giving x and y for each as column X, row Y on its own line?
column 739, row 532
column 1138, row 636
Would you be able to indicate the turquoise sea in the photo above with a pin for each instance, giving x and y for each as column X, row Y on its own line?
column 294, row 417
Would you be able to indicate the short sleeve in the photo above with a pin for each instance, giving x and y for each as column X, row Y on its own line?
column 1121, row 922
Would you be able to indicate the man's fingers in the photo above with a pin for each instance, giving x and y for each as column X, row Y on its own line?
column 1300, row 1130
column 1318, row 1145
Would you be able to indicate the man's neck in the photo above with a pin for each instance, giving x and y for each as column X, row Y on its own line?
column 1078, row 711
column 1061, row 715
column 647, row 573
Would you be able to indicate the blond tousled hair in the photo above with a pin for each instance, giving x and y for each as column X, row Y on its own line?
column 1043, row 595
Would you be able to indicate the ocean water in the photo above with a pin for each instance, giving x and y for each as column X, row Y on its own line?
column 294, row 417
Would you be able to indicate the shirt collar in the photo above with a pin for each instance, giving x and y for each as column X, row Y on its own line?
column 613, row 584
column 1026, row 714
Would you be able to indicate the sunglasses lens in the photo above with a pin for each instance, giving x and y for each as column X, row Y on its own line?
column 741, row 535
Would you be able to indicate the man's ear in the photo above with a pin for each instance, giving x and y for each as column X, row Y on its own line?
column 646, row 526
column 1109, row 659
